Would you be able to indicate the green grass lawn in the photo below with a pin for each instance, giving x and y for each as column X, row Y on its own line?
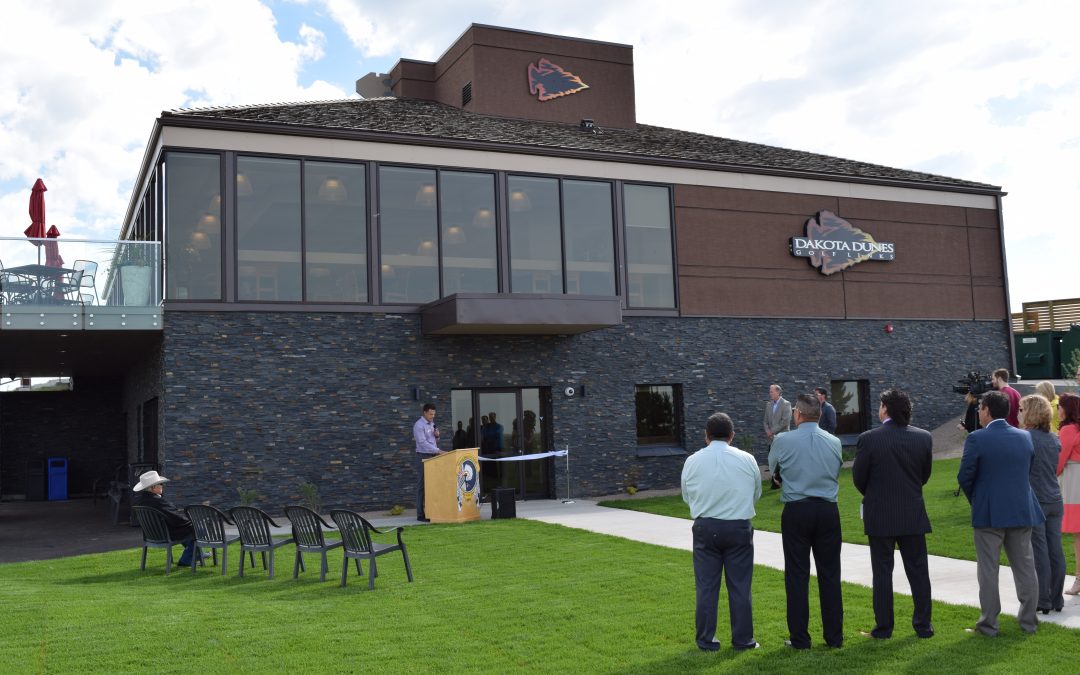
column 949, row 516
column 489, row 597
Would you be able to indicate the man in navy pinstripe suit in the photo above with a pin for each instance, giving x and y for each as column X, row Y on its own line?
column 892, row 464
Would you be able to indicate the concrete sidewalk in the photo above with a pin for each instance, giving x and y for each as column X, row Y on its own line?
column 953, row 581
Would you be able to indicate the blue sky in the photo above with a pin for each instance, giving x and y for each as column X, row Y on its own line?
column 985, row 90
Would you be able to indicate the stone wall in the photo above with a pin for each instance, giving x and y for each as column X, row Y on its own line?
column 267, row 401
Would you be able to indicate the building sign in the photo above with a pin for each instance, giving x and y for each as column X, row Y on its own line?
column 833, row 244
column 548, row 80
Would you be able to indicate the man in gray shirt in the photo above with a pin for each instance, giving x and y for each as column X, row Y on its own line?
column 809, row 460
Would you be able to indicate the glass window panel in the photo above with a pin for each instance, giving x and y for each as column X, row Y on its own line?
column 535, row 235
column 408, row 235
column 658, row 414
column 590, row 243
column 268, row 229
column 468, row 233
column 650, row 270
column 461, row 416
column 851, row 398
column 192, row 188
column 335, row 232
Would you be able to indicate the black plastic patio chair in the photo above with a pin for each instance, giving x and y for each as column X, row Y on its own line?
column 307, row 530
column 155, row 529
column 209, row 524
column 356, row 536
column 254, row 527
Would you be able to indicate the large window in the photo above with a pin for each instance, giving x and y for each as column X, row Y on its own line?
column 268, row 229
column 193, row 214
column 590, row 243
column 650, row 267
column 658, row 410
column 335, row 232
column 851, row 398
column 535, row 235
column 467, row 216
column 408, row 234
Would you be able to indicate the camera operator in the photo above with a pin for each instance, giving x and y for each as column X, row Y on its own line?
column 971, row 414
column 1000, row 380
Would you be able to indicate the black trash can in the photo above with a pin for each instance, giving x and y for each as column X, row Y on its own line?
column 58, row 478
column 35, row 480
column 502, row 503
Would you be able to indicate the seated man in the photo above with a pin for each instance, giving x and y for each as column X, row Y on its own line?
column 147, row 492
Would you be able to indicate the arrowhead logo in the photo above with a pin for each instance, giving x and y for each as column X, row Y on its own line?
column 548, row 80
column 833, row 244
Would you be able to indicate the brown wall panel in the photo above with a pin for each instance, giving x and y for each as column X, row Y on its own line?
column 990, row 302
column 985, row 252
column 920, row 249
column 982, row 218
column 733, row 238
column 904, row 212
column 730, row 199
column 875, row 299
column 734, row 296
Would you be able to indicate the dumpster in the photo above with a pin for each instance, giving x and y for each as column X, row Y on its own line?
column 58, row 478
column 1034, row 355
column 1070, row 345
column 35, row 480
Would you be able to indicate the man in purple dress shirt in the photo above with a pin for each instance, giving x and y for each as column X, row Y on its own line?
column 426, row 435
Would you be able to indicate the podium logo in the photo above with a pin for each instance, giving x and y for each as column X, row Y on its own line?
column 468, row 482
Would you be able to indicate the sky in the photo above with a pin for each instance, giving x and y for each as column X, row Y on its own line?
column 981, row 90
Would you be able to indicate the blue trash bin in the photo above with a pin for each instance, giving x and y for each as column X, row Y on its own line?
column 58, row 478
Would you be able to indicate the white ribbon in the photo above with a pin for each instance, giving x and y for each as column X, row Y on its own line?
column 522, row 458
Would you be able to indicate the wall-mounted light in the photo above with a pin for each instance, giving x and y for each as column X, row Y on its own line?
column 484, row 218
column 243, row 185
column 333, row 190
column 519, row 201
column 208, row 223
column 200, row 240
column 425, row 196
column 426, row 247
column 888, row 328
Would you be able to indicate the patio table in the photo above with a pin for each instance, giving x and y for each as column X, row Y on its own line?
column 39, row 284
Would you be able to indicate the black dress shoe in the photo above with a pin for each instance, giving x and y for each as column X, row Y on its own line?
column 1043, row 611
column 746, row 648
column 787, row 643
column 424, row 520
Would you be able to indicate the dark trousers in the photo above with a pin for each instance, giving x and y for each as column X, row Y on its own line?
column 805, row 527
column 913, row 554
column 418, row 463
column 1049, row 558
column 724, row 546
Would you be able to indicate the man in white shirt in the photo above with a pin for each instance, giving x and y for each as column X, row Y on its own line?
column 721, row 484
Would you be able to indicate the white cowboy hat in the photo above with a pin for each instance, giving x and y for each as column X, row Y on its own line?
column 149, row 480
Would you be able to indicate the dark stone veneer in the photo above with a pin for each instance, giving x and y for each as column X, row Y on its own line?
column 266, row 401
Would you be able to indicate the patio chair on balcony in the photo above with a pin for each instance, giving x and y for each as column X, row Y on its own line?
column 87, row 281
column 155, row 529
column 209, row 524
column 255, row 536
column 307, row 530
column 356, row 535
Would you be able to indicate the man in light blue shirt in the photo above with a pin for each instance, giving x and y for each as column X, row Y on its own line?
column 426, row 435
column 808, row 462
column 721, row 484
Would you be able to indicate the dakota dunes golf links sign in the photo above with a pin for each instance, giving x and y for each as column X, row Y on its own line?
column 833, row 244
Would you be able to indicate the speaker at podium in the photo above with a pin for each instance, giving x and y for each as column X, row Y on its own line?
column 452, row 486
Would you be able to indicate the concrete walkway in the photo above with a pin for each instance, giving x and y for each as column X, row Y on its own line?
column 953, row 581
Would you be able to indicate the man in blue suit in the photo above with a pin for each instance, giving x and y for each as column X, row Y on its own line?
column 1003, row 510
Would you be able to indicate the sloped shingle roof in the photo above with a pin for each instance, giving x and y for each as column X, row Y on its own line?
column 437, row 121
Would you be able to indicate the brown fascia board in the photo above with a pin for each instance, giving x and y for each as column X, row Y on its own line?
column 521, row 149
column 493, row 36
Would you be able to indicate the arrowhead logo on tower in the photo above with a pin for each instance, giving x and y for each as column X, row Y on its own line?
column 548, row 80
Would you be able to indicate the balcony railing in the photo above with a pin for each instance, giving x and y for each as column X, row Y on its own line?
column 80, row 283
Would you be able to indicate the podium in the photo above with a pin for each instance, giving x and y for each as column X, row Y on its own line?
column 452, row 486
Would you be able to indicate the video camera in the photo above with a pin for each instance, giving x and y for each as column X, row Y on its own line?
column 975, row 384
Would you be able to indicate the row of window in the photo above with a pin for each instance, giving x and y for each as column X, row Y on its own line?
column 302, row 233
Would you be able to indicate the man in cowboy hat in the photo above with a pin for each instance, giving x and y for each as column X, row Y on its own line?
column 147, row 492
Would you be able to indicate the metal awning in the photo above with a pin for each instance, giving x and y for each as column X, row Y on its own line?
column 519, row 314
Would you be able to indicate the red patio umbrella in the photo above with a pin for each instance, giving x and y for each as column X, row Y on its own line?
column 37, row 211
column 52, row 249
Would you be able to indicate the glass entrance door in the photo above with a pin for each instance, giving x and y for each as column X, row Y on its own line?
column 507, row 423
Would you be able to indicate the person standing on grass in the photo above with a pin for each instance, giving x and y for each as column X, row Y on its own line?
column 721, row 484
column 1000, row 381
column 808, row 461
column 828, row 413
column 1068, row 468
column 1003, row 511
column 1035, row 413
column 892, row 464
